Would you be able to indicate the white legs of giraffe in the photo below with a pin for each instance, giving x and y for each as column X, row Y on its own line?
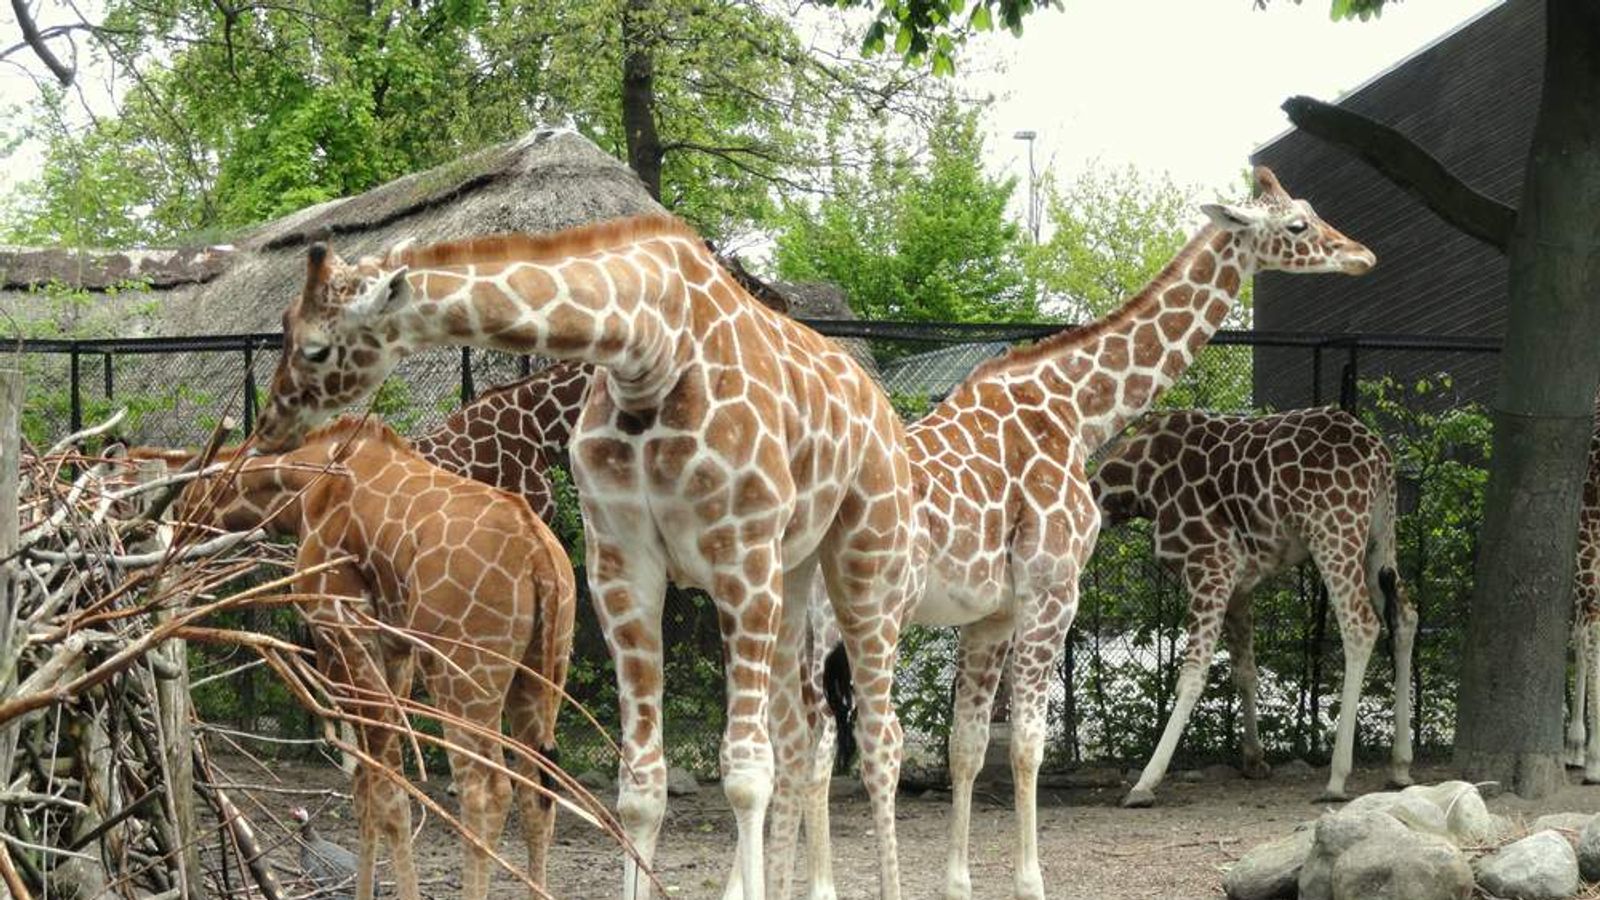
column 1238, row 630
column 1210, row 580
column 1583, row 715
column 980, row 656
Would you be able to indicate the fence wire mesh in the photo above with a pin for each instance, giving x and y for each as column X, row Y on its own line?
column 1117, row 677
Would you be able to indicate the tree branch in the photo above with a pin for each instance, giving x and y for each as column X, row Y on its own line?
column 30, row 34
column 1411, row 168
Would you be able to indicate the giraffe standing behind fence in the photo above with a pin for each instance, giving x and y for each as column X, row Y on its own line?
column 1237, row 499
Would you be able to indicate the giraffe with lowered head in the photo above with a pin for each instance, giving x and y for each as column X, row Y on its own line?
column 468, row 569
column 1009, row 511
column 724, row 447
column 1237, row 499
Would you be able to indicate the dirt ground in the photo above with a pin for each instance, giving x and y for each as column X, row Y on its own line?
column 1089, row 847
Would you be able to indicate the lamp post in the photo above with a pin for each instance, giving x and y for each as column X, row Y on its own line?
column 1033, row 190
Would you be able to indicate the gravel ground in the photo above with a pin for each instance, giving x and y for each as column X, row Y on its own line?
column 1089, row 847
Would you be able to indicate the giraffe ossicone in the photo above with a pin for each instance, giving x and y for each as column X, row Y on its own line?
column 1010, row 516
column 722, row 446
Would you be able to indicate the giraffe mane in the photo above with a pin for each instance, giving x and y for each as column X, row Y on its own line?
column 1077, row 335
column 511, row 246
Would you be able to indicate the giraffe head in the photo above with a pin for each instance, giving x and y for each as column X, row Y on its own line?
column 1275, row 231
column 341, row 339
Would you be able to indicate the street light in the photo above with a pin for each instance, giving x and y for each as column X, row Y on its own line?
column 1033, row 192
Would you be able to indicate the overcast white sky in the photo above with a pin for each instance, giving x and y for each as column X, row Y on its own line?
column 1185, row 86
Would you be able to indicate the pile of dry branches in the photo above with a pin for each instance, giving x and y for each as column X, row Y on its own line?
column 101, row 756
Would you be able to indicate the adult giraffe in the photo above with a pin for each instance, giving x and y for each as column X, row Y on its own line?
column 725, row 447
column 1233, row 501
column 438, row 555
column 1583, row 715
column 1010, row 516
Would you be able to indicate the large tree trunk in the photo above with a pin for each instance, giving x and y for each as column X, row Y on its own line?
column 639, row 93
column 1509, row 727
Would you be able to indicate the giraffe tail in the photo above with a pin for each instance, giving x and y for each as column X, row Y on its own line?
column 841, row 694
column 1382, row 569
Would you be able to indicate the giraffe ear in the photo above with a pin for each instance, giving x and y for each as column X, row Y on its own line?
column 388, row 293
column 318, row 268
column 1233, row 218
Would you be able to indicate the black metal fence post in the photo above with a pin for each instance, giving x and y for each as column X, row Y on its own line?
column 110, row 384
column 467, row 391
column 249, row 389
column 75, row 416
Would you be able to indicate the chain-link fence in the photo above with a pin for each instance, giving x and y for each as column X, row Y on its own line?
column 1117, row 678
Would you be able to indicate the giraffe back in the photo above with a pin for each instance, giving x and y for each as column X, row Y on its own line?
column 1263, row 486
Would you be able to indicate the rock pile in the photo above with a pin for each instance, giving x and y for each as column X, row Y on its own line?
column 1429, row 842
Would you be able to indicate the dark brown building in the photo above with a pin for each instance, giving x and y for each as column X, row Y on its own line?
column 1469, row 99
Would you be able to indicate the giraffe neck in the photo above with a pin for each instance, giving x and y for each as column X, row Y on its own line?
column 1111, row 371
column 535, row 415
column 624, row 309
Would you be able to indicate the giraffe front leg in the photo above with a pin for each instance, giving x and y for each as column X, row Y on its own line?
column 1577, row 708
column 1041, row 637
column 1239, row 631
column 790, row 730
column 1211, row 583
column 1590, row 674
column 627, row 585
column 981, row 656
column 749, row 603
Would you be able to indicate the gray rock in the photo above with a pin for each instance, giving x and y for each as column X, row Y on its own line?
column 1294, row 768
column 1466, row 818
column 681, row 783
column 1419, row 815
column 1220, row 772
column 1589, row 850
column 596, row 781
column 1337, row 832
column 1377, row 801
column 1563, row 822
column 1405, row 867
column 1270, row 871
column 1132, row 776
column 1541, row 866
column 1191, row 776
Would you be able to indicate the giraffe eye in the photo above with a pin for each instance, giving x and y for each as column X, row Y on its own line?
column 1298, row 226
column 317, row 353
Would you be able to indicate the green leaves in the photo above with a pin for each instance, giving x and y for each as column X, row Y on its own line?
column 926, row 241
column 930, row 31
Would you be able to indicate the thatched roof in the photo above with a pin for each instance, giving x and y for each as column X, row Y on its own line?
column 546, row 181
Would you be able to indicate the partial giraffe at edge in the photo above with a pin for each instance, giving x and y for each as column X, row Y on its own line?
column 1234, row 500
column 1583, row 713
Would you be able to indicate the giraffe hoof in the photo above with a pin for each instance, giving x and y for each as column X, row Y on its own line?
column 1591, row 779
column 1139, row 798
column 1400, row 780
column 1332, row 797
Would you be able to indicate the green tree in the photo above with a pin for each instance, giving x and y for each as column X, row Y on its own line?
column 912, row 240
column 232, row 116
column 1514, row 670
column 1112, row 230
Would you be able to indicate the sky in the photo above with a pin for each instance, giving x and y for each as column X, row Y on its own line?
column 1189, row 87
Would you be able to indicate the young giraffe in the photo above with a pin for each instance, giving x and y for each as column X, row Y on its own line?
column 1583, row 743
column 1235, row 500
column 725, row 447
column 1010, row 516
column 439, row 555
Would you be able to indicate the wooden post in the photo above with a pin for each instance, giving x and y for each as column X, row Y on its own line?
column 10, row 466
column 175, row 734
